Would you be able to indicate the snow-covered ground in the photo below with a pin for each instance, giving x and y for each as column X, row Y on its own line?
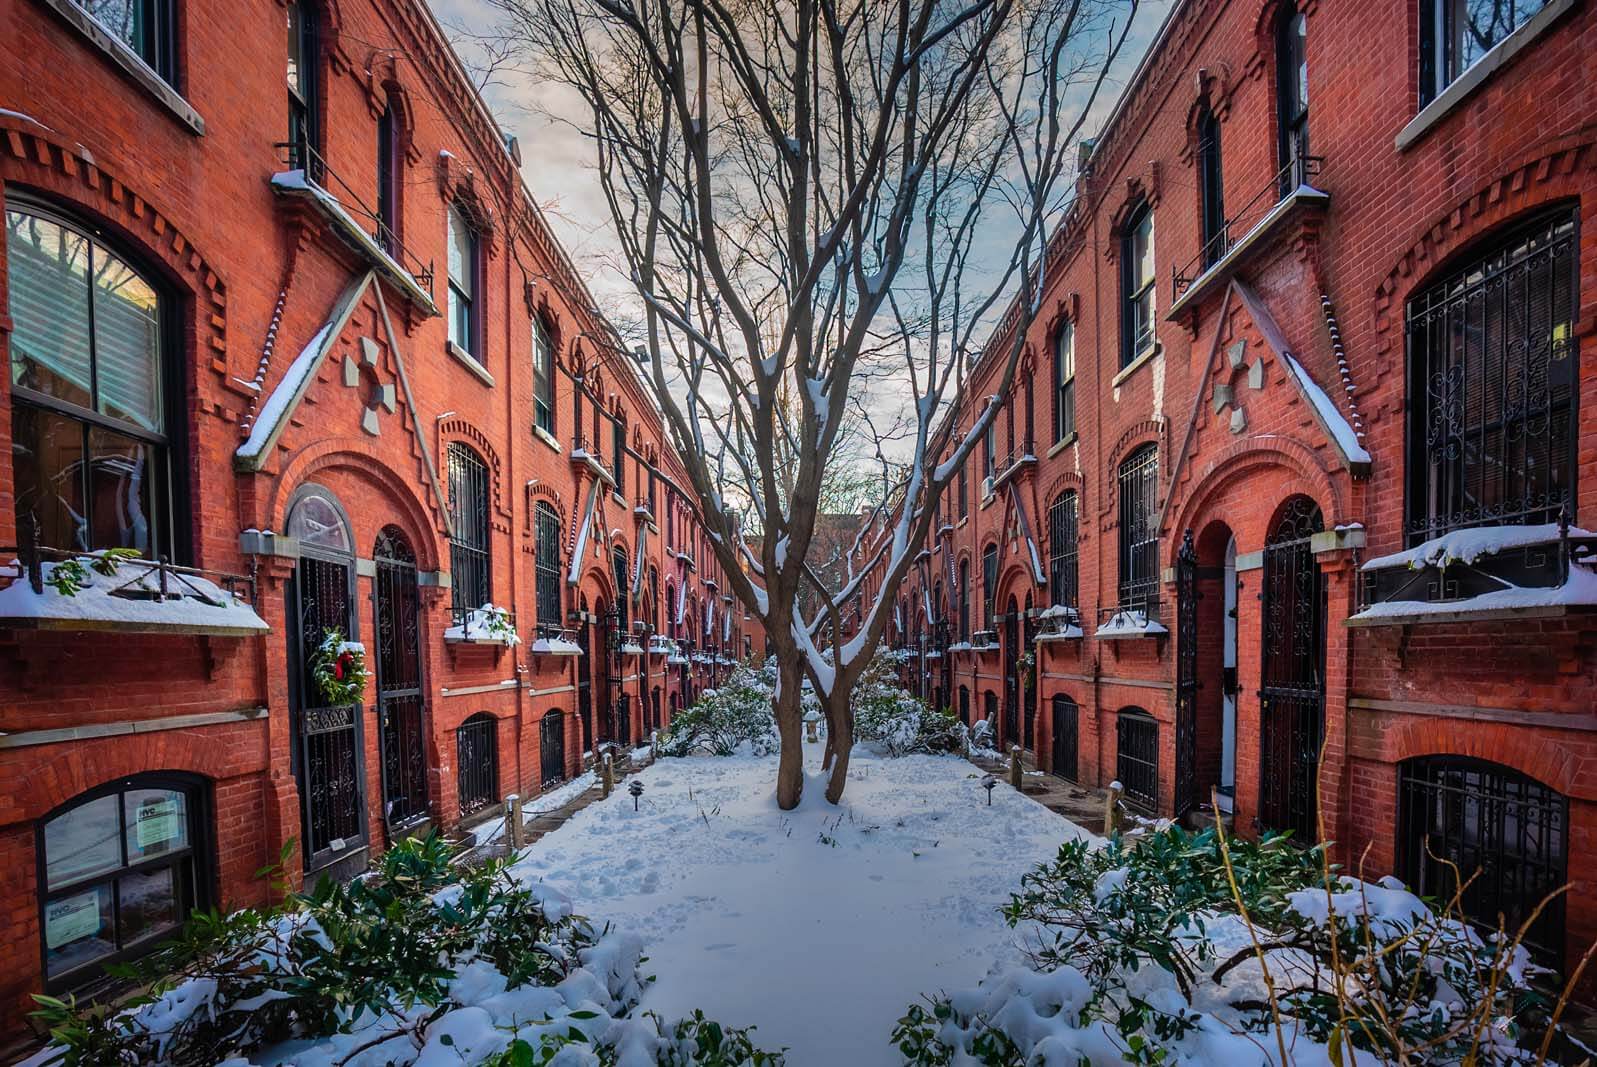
column 821, row 925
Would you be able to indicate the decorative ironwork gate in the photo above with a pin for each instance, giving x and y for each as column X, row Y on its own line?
column 400, row 712
column 1292, row 699
column 477, row 762
column 1501, row 833
column 1066, row 736
column 585, row 678
column 330, row 766
column 1011, row 676
column 1186, row 676
column 552, row 747
column 1137, row 757
column 1029, row 687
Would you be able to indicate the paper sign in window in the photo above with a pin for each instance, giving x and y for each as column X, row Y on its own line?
column 72, row 919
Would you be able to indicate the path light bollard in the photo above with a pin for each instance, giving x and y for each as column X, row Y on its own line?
column 987, row 783
column 518, row 832
column 1111, row 809
column 812, row 725
column 654, row 745
column 607, row 776
column 1014, row 767
column 636, row 789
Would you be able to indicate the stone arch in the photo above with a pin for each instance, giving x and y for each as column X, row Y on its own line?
column 357, row 457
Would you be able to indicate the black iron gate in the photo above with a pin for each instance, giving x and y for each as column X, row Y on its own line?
column 1186, row 676
column 329, row 743
column 1030, row 682
column 400, row 711
column 1011, row 677
column 585, row 680
column 1292, row 699
column 552, row 747
column 1137, row 757
column 1066, row 736
column 477, row 762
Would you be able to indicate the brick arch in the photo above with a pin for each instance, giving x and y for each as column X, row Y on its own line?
column 1549, row 762
column 355, row 454
column 1139, row 191
column 467, row 433
column 1556, row 171
column 35, row 161
column 78, row 768
column 1306, row 476
column 1148, row 431
column 1014, row 580
column 1068, row 480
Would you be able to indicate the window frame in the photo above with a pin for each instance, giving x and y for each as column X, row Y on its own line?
column 199, row 855
column 458, row 455
column 169, row 496
column 305, row 99
column 1064, row 533
column 390, row 165
column 1137, row 486
column 546, row 564
column 989, row 581
column 469, row 304
column 543, row 377
column 157, row 48
column 1136, row 293
column 1291, row 96
column 1065, row 381
column 1211, row 187
column 1439, row 38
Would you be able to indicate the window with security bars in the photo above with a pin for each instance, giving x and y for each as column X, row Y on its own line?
column 1139, row 533
column 548, row 565
column 1062, row 536
column 1065, row 382
column 989, row 582
column 468, row 545
column 1492, row 377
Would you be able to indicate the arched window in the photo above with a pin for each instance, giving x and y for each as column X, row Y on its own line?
column 316, row 520
column 989, row 582
column 1481, row 448
column 1136, row 284
column 618, row 450
column 543, row 377
column 1138, row 484
column 92, row 388
column 1065, row 381
column 1062, row 536
column 465, row 281
column 477, row 762
column 1211, row 187
column 121, row 867
column 468, row 545
column 1292, row 94
column 304, row 88
column 1458, row 816
column 548, row 565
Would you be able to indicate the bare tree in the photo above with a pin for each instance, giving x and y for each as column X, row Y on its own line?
column 806, row 192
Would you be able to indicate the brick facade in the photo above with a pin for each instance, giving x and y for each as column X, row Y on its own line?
column 253, row 276
column 1312, row 300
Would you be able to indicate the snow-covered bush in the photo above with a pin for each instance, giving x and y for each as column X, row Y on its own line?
column 693, row 1041
column 1178, row 947
column 741, row 710
column 416, row 958
column 887, row 714
column 982, row 740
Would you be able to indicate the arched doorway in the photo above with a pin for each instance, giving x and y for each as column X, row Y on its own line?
column 1011, row 733
column 327, row 736
column 401, row 731
column 1292, row 693
column 552, row 747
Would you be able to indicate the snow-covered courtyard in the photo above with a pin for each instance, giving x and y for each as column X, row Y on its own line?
column 818, row 925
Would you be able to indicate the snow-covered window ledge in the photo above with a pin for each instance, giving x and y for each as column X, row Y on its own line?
column 1130, row 623
column 558, row 645
column 487, row 625
column 959, row 646
column 129, row 596
column 1069, row 632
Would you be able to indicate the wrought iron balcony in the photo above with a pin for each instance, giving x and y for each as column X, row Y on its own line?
column 1139, row 613
column 589, row 456
column 553, row 641
column 1020, row 458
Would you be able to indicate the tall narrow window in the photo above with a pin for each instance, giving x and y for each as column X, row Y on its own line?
column 964, row 488
column 1292, row 94
column 548, row 565
column 388, row 177
column 1211, row 187
column 1136, row 284
column 543, row 377
column 1492, row 434
column 989, row 449
column 1139, row 534
column 145, row 26
column 1455, row 34
column 468, row 546
column 89, row 362
column 464, row 271
column 618, row 457
column 964, row 600
column 618, row 568
column 1062, row 534
column 1065, row 382
column 304, row 85
column 989, row 582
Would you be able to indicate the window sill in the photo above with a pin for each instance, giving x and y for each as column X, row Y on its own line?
column 1465, row 84
column 129, row 62
column 540, row 434
column 470, row 362
column 1136, row 365
column 1068, row 440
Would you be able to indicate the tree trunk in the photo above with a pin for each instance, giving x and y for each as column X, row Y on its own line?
column 840, row 735
column 790, row 732
column 826, row 758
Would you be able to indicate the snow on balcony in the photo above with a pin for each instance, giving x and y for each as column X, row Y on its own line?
column 1578, row 590
column 487, row 625
column 1467, row 546
column 140, row 597
column 559, row 644
column 1130, row 623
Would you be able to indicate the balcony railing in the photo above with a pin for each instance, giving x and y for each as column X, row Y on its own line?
column 588, row 454
column 1021, row 457
column 1239, row 224
column 1140, row 613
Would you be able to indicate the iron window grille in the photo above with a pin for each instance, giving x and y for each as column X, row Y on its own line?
column 1136, row 284
column 1139, row 534
column 468, row 546
column 548, row 565
column 1137, row 757
column 1062, row 537
column 1065, row 382
column 1504, row 834
column 1492, row 434
column 1292, row 93
column 477, row 762
column 1456, row 34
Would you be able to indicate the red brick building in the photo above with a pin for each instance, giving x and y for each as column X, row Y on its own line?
column 1275, row 509
column 279, row 312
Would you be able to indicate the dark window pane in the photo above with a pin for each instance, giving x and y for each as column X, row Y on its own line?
column 120, row 501
column 149, row 904
column 47, row 450
column 48, row 275
column 83, row 841
column 78, row 928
